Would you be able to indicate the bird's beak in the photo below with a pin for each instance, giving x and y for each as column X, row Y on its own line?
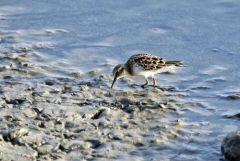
column 114, row 80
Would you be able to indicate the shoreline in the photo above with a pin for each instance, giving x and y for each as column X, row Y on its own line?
column 50, row 113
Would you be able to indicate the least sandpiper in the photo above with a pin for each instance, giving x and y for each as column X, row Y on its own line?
column 145, row 65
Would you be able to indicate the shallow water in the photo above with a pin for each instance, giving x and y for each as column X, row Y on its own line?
column 89, row 38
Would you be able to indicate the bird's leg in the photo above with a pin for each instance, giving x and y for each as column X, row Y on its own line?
column 154, row 82
column 145, row 84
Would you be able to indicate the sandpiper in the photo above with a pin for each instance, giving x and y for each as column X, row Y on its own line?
column 145, row 65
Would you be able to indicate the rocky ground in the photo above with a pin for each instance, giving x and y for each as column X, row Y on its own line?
column 67, row 118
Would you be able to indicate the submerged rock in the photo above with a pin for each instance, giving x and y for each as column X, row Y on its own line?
column 231, row 96
column 231, row 146
column 50, row 82
column 76, row 74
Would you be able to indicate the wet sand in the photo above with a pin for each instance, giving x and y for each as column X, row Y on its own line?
column 45, row 117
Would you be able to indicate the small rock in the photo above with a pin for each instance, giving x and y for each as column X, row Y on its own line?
column 1, row 137
column 93, row 72
column 76, row 74
column 95, row 142
column 25, row 64
column 88, row 115
column 103, row 123
column 69, row 125
column 2, row 101
column 104, row 112
column 50, row 82
column 18, row 133
column 30, row 113
column 98, row 114
column 7, row 66
column 116, row 135
column 49, row 124
column 84, row 88
column 215, row 50
column 56, row 100
column 231, row 146
column 236, row 116
column 180, row 123
column 7, row 77
column 233, row 97
column 38, row 110
column 73, row 145
column 15, row 101
column 67, row 89
column 45, row 149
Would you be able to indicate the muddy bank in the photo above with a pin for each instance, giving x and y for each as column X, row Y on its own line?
column 79, row 116
column 46, row 117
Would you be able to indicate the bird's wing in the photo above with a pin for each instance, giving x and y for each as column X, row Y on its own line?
column 146, row 61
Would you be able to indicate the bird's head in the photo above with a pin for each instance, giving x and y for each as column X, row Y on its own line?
column 118, row 72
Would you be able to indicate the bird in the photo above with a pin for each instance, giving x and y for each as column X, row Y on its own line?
column 144, row 65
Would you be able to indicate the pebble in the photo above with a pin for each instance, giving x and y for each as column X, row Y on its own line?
column 45, row 149
column 93, row 72
column 84, row 88
column 28, row 112
column 50, row 82
column 180, row 123
column 95, row 143
column 74, row 144
column 116, row 135
column 233, row 97
column 76, row 74
column 17, row 133
column 99, row 114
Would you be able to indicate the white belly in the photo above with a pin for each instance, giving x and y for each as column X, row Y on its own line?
column 138, row 71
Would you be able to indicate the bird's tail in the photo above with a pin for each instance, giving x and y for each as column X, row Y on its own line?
column 174, row 63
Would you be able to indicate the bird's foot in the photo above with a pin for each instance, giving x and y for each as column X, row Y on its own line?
column 158, row 87
column 144, row 86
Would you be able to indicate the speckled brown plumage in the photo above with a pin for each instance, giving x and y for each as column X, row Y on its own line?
column 149, row 62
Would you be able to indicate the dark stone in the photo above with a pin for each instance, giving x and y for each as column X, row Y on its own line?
column 50, row 82
column 98, row 114
column 231, row 146
column 95, row 143
column 233, row 97
column 16, row 101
